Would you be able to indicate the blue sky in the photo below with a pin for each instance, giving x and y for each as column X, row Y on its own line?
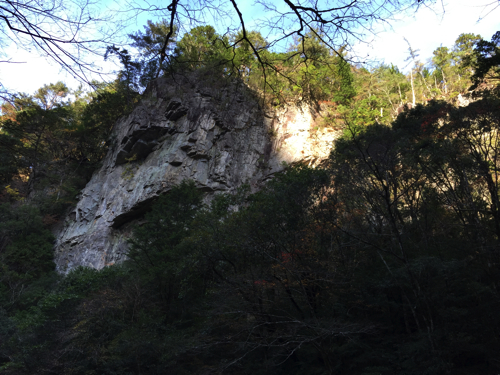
column 426, row 29
column 429, row 28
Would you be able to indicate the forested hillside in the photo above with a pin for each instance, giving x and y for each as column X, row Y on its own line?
column 383, row 260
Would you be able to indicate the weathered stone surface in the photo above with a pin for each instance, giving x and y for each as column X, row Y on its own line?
column 219, row 138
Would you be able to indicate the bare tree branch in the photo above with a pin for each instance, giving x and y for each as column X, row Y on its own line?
column 72, row 35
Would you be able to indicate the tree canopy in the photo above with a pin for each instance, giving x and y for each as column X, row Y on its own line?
column 74, row 34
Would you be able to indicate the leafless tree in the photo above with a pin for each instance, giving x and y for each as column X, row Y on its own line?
column 71, row 33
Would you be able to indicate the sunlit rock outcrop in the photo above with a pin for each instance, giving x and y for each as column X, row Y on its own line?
column 183, row 129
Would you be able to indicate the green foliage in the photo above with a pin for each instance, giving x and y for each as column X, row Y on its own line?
column 343, row 90
column 149, row 45
column 156, row 251
column 129, row 76
column 53, row 146
column 37, row 128
column 244, row 58
column 26, row 255
column 202, row 47
column 428, row 209
column 361, row 113
column 50, row 96
column 485, row 60
column 452, row 67
column 107, row 104
column 464, row 48
column 310, row 71
column 151, row 41
column 10, row 147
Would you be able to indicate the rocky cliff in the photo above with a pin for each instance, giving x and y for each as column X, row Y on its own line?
column 184, row 128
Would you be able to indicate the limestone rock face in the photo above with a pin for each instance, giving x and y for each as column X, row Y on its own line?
column 216, row 136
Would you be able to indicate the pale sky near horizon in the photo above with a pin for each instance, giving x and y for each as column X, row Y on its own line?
column 426, row 30
column 430, row 28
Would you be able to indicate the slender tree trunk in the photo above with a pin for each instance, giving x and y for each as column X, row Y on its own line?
column 444, row 82
column 412, row 87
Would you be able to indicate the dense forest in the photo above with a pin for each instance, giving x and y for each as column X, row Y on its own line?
column 383, row 260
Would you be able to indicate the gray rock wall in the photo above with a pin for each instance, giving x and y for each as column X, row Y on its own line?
column 216, row 136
